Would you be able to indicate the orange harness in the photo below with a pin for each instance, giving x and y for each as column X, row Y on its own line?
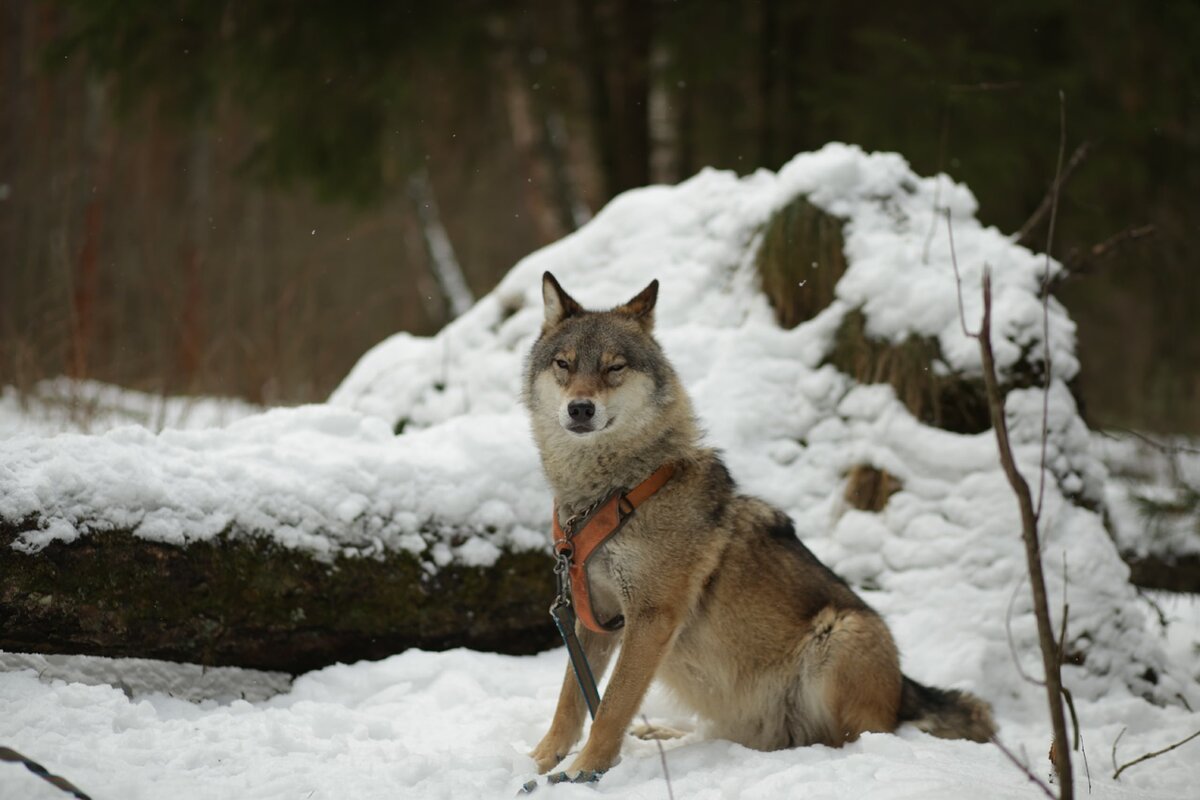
column 594, row 530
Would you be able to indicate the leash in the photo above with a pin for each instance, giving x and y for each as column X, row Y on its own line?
column 563, row 614
column 584, row 534
column 7, row 754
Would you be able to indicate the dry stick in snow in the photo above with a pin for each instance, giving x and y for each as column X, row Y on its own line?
column 1146, row 757
column 1029, row 521
column 662, row 755
column 1021, row 766
column 1062, row 653
column 1050, row 649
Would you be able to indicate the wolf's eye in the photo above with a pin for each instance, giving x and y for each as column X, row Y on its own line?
column 561, row 363
column 616, row 368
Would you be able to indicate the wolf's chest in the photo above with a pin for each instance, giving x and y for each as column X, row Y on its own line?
column 614, row 571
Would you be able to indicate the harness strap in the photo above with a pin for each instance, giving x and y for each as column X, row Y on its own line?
column 595, row 530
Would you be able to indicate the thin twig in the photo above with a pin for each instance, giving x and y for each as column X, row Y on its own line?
column 1021, row 766
column 962, row 314
column 662, row 755
column 1077, row 157
column 1012, row 645
column 1148, row 756
column 1062, row 654
column 1053, row 677
column 1169, row 449
column 1047, row 377
column 1076, row 259
column 1114, row 747
column 937, row 180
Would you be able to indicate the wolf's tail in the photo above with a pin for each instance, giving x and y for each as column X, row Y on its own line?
column 946, row 713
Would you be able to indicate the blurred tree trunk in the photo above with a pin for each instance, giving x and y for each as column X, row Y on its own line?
column 442, row 259
column 615, row 38
column 549, row 211
column 192, row 308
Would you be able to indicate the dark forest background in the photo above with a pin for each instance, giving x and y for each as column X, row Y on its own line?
column 210, row 196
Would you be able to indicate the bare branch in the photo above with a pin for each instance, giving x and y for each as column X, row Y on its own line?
column 1148, row 756
column 1169, row 449
column 1012, row 645
column 1049, row 648
column 662, row 755
column 1021, row 766
column 1114, row 747
column 1044, row 208
column 1076, row 260
column 1062, row 654
column 937, row 185
column 1048, row 372
column 962, row 314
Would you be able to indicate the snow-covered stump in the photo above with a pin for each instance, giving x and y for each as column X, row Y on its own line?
column 422, row 458
column 800, row 260
column 246, row 601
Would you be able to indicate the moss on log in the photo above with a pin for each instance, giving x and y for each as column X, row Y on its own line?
column 801, row 259
column 1167, row 573
column 950, row 401
column 869, row 488
column 245, row 601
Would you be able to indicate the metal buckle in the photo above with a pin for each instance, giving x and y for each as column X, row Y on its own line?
column 562, row 567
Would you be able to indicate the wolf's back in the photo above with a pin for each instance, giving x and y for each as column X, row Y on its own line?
column 946, row 713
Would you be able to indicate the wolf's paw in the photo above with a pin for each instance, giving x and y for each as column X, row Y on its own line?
column 587, row 764
column 586, row 776
column 548, row 753
column 648, row 732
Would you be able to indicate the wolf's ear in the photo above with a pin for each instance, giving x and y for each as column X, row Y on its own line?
column 641, row 308
column 559, row 304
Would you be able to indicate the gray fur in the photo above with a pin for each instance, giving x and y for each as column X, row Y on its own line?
column 721, row 601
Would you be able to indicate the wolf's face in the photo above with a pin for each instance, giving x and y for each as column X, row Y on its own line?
column 595, row 373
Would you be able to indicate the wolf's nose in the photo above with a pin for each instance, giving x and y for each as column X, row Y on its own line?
column 581, row 410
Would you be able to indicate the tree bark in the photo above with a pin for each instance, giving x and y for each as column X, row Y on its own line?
column 242, row 600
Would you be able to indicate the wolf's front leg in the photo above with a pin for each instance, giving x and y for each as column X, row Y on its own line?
column 568, row 717
column 645, row 643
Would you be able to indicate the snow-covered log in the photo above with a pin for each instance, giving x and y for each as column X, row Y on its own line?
column 424, row 452
column 246, row 601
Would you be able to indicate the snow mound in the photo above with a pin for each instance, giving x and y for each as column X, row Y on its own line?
column 425, row 441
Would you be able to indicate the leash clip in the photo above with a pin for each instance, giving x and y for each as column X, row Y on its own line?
column 562, row 575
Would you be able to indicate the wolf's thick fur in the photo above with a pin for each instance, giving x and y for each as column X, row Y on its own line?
column 721, row 601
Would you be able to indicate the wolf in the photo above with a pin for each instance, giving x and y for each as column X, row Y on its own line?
column 718, row 597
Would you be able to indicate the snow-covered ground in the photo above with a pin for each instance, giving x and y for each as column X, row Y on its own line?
column 61, row 404
column 425, row 440
column 457, row 725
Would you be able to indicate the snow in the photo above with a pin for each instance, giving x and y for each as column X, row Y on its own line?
column 61, row 404
column 424, row 448
column 1155, row 505
column 457, row 725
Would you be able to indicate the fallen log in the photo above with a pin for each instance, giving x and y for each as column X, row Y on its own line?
column 242, row 600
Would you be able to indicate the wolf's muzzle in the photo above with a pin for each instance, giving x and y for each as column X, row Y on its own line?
column 581, row 413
